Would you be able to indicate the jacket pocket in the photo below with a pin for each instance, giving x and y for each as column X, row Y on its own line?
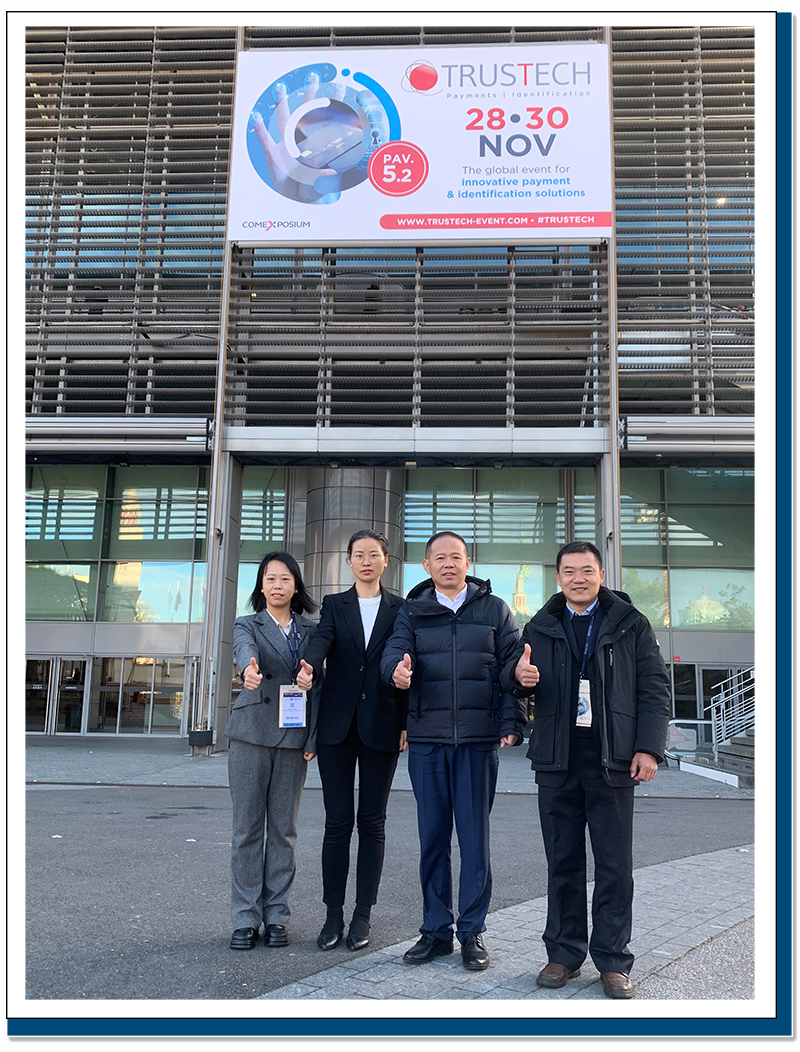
column 247, row 697
column 622, row 731
column 542, row 747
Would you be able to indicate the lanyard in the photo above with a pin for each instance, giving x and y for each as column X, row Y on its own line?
column 586, row 647
column 293, row 639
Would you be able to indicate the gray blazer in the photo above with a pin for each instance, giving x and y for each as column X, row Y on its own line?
column 254, row 718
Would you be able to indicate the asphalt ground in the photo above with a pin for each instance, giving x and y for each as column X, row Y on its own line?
column 127, row 886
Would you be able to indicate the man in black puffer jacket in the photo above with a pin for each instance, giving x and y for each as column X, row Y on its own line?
column 450, row 642
column 600, row 724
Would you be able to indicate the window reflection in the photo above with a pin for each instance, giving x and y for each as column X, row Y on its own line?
column 60, row 592
column 713, row 599
column 145, row 592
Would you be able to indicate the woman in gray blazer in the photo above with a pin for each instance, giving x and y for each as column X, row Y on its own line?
column 268, row 761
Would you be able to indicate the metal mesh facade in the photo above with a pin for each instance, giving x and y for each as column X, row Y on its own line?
column 128, row 150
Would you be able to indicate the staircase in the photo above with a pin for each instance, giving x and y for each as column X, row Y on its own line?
column 733, row 729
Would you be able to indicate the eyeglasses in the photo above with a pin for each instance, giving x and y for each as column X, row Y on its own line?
column 373, row 557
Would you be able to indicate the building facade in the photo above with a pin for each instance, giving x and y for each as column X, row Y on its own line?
column 193, row 403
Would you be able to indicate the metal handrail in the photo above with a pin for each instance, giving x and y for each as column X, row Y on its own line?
column 733, row 708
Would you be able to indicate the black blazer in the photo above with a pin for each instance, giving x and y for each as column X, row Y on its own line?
column 352, row 677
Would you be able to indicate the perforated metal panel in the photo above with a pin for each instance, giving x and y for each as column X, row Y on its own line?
column 128, row 149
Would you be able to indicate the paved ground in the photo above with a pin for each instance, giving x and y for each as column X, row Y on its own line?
column 693, row 931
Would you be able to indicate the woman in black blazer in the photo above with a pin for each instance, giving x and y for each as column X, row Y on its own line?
column 361, row 720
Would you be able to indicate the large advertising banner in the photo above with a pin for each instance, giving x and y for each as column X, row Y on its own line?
column 422, row 145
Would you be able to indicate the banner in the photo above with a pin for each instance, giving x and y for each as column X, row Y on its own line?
column 481, row 144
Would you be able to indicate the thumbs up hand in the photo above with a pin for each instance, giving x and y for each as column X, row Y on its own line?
column 526, row 674
column 402, row 673
column 251, row 676
column 305, row 677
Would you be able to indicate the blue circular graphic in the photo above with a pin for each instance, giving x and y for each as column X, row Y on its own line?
column 310, row 135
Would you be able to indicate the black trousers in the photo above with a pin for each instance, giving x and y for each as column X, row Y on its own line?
column 587, row 799
column 337, row 768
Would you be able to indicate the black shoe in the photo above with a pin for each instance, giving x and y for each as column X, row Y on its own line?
column 358, row 935
column 244, row 938
column 427, row 948
column 332, row 933
column 473, row 953
column 276, row 935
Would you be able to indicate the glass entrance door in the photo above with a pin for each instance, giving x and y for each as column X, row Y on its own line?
column 69, row 703
column 37, row 691
column 710, row 679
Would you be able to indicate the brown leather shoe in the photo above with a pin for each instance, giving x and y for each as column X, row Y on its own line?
column 556, row 975
column 617, row 984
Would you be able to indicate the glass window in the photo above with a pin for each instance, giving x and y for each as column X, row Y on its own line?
column 154, row 482
column 145, row 591
column 521, row 585
column 647, row 588
column 516, row 484
column 60, row 592
column 532, row 533
column 425, row 518
column 441, row 483
column 62, row 529
column 584, row 484
column 65, row 482
column 244, row 588
column 643, row 533
column 710, row 485
column 700, row 534
column 711, row 598
column 641, row 484
column 262, row 483
column 162, row 528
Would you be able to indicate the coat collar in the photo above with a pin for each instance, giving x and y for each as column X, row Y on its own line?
column 270, row 633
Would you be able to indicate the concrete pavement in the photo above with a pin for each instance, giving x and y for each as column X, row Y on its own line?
column 693, row 930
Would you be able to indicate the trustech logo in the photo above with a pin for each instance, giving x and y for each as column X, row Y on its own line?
column 424, row 79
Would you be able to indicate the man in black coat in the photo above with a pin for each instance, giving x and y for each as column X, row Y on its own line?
column 601, row 711
column 450, row 642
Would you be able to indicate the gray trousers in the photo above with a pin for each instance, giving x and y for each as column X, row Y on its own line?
column 265, row 785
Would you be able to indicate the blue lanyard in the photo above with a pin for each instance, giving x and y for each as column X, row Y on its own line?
column 586, row 647
column 293, row 639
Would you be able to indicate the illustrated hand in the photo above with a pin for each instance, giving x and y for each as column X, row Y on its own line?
column 287, row 175
column 403, row 742
column 526, row 674
column 644, row 767
column 402, row 674
column 252, row 677
column 305, row 677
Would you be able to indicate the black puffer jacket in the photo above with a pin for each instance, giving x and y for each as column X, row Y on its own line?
column 456, row 658
column 630, row 689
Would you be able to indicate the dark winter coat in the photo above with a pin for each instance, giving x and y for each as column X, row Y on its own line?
column 456, row 658
column 630, row 689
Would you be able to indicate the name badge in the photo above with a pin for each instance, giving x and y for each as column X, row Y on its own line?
column 292, row 707
column 584, row 704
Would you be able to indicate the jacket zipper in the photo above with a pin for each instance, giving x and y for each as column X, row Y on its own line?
column 455, row 708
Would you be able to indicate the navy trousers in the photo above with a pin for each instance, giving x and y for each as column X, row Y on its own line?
column 584, row 799
column 454, row 782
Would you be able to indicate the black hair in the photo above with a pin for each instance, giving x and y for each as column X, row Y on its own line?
column 371, row 535
column 576, row 547
column 445, row 533
column 301, row 600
